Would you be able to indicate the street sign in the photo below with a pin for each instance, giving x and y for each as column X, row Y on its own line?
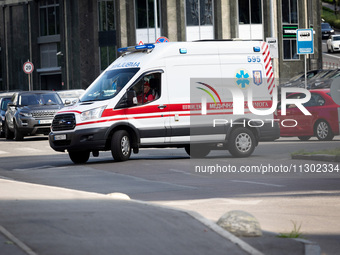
column 162, row 39
column 28, row 67
column 305, row 42
column 273, row 47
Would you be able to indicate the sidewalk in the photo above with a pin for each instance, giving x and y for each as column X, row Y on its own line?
column 37, row 219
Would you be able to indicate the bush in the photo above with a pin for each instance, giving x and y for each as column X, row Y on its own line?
column 329, row 16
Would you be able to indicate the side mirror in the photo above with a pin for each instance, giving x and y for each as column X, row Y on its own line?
column 131, row 98
column 10, row 104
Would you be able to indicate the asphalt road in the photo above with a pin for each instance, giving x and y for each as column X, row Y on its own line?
column 293, row 194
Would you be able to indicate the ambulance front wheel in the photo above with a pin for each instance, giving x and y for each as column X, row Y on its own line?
column 79, row 157
column 242, row 142
column 121, row 145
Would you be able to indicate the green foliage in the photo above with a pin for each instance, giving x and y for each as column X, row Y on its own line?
column 295, row 233
column 335, row 152
column 329, row 16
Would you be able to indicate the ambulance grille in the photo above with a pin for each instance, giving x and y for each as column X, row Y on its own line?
column 63, row 122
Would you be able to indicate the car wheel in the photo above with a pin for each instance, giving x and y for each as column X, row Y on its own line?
column 323, row 131
column 8, row 133
column 242, row 142
column 197, row 150
column 18, row 136
column 121, row 145
column 304, row 138
column 79, row 157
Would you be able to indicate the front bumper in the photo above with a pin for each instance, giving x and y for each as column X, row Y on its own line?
column 31, row 126
column 79, row 140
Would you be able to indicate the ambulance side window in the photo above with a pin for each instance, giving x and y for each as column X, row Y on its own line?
column 148, row 88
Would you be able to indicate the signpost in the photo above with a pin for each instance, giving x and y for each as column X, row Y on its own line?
column 28, row 68
column 305, row 45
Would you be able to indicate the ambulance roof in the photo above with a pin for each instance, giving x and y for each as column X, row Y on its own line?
column 154, row 54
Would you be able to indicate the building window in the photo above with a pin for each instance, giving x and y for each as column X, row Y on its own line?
column 48, row 55
column 107, row 33
column 290, row 17
column 147, row 20
column 289, row 12
column 289, row 49
column 106, row 11
column 107, row 55
column 49, row 17
column 199, row 19
column 250, row 19
column 250, row 11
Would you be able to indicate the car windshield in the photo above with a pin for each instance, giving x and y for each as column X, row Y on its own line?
column 336, row 38
column 39, row 99
column 70, row 93
column 325, row 25
column 109, row 84
column 4, row 103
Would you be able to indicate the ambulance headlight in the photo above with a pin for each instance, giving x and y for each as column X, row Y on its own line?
column 95, row 113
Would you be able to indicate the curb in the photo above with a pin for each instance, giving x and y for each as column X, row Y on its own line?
column 310, row 247
column 318, row 157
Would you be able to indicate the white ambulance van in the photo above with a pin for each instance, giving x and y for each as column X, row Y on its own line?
column 143, row 100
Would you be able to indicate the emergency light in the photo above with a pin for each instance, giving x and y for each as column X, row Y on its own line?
column 143, row 47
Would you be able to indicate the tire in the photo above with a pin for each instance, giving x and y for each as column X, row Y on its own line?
column 241, row 142
column 8, row 133
column 18, row 136
column 79, row 157
column 323, row 131
column 304, row 138
column 197, row 150
column 121, row 146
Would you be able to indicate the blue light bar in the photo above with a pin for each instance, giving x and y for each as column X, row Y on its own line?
column 142, row 47
column 257, row 49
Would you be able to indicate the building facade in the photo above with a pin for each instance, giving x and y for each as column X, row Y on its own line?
column 70, row 42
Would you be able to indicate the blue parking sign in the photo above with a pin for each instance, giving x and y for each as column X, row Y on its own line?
column 305, row 41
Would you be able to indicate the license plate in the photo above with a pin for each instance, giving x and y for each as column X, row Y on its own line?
column 59, row 137
column 45, row 121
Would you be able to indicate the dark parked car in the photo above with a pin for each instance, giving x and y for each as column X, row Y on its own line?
column 296, row 80
column 325, row 81
column 326, row 30
column 5, row 98
column 31, row 113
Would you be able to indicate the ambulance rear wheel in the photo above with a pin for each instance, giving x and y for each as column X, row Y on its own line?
column 242, row 142
column 79, row 157
column 197, row 150
column 121, row 145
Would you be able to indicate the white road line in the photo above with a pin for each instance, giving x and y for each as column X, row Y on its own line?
column 3, row 152
column 28, row 149
column 259, row 183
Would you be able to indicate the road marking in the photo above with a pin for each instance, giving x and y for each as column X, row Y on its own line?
column 18, row 242
column 3, row 152
column 259, row 183
column 37, row 168
column 28, row 149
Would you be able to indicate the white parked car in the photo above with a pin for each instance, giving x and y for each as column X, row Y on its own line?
column 333, row 43
column 70, row 96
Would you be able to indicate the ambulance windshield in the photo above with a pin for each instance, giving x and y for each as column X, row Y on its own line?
column 109, row 84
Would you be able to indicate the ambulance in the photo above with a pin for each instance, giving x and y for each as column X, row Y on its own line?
column 175, row 94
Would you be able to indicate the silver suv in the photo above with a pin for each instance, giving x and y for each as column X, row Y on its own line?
column 31, row 113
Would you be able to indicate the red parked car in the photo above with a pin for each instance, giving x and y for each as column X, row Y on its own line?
column 323, row 123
